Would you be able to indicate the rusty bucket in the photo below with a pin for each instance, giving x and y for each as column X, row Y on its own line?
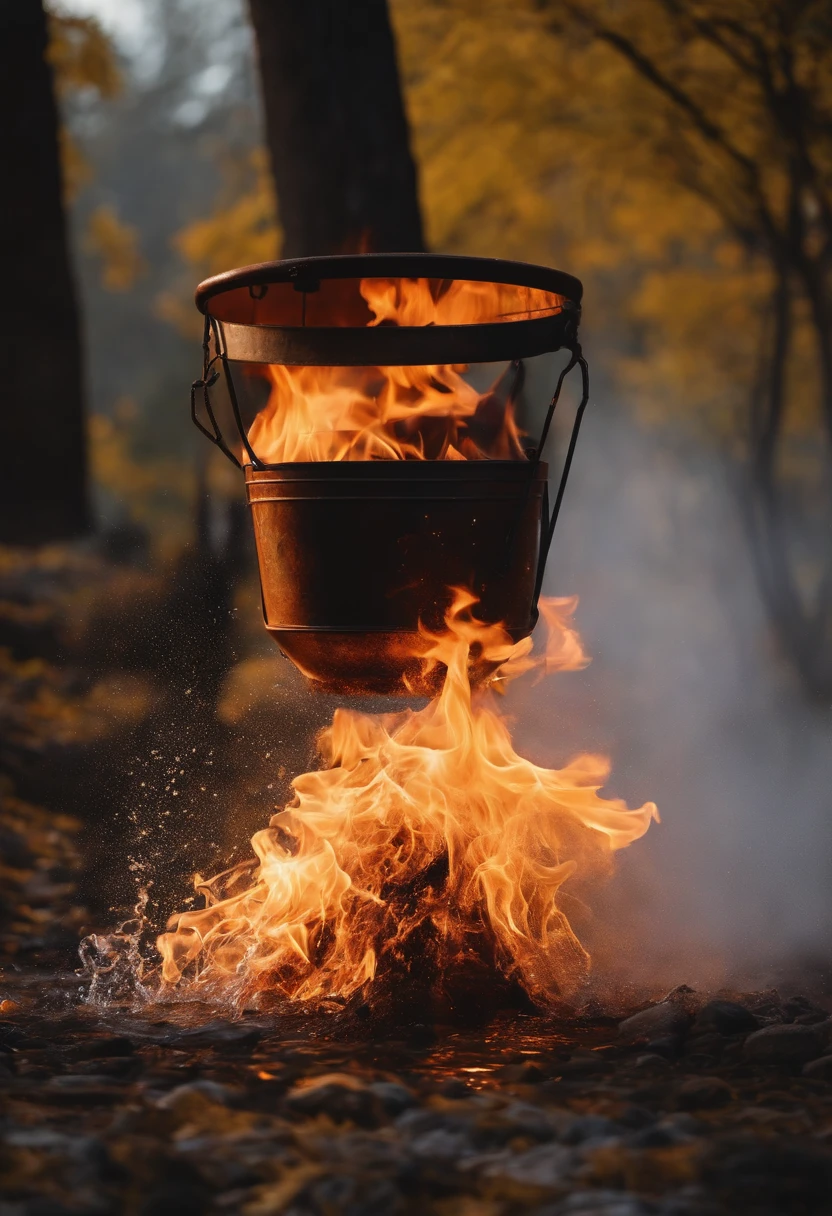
column 356, row 554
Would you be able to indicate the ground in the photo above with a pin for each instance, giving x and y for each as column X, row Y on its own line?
column 695, row 1108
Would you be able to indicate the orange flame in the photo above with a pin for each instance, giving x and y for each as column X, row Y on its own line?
column 422, row 825
column 400, row 413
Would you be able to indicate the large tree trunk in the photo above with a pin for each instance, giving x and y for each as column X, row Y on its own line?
column 336, row 127
column 43, row 482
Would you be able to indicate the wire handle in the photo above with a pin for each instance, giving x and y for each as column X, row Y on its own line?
column 577, row 360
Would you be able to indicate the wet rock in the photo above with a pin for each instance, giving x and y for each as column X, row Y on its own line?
column 343, row 1099
column 750, row 1175
column 203, row 1107
column 598, row 1203
column 450, row 1143
column 803, row 1011
column 726, row 1017
column 394, row 1097
column 105, row 1066
column 583, row 1066
column 704, row 1093
column 667, row 1019
column 455, row 1087
column 109, row 1046
column 819, row 1069
column 669, row 1046
column 220, row 1034
column 73, row 1089
column 522, row 1074
column 524, row 1119
column 660, row 1135
column 180, row 1097
column 593, row 1128
column 545, row 1166
column 651, row 1060
column 180, row 1191
column 785, row 1043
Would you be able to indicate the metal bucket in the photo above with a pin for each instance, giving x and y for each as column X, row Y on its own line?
column 354, row 556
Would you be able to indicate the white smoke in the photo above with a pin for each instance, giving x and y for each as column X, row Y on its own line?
column 687, row 694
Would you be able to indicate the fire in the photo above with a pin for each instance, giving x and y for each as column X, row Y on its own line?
column 424, row 842
column 401, row 413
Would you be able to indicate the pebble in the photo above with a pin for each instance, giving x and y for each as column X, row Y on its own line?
column 783, row 1044
column 659, row 1021
column 180, row 1096
column 704, row 1093
column 820, row 1069
column 727, row 1017
column 598, row 1203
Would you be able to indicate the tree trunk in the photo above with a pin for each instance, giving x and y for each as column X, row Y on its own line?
column 336, row 127
column 43, row 483
column 803, row 629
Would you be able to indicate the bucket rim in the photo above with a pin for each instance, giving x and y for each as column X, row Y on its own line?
column 391, row 265
column 399, row 470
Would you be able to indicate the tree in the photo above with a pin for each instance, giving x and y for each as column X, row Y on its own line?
column 742, row 118
column 43, row 489
column 336, row 128
column 678, row 155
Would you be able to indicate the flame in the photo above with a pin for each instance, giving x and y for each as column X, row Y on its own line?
column 401, row 413
column 425, row 840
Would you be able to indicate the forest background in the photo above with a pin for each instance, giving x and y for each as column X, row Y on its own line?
column 646, row 154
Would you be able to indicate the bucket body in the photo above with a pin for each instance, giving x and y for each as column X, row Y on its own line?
column 353, row 555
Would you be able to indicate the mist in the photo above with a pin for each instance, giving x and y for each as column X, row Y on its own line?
column 687, row 695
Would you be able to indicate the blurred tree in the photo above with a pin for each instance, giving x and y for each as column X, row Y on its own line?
column 678, row 155
column 43, row 490
column 739, row 115
column 336, row 127
column 116, row 244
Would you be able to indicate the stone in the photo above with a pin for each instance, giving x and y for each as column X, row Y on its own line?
column 669, row 1046
column 599, row 1203
column 342, row 1099
column 665, row 1019
column 583, row 1066
column 590, row 1128
column 394, row 1098
column 652, row 1059
column 545, row 1166
column 803, row 1011
column 180, row 1096
column 108, row 1046
column 703, row 1093
column 454, row 1087
column 727, row 1017
column 521, row 1074
column 819, row 1069
column 783, row 1043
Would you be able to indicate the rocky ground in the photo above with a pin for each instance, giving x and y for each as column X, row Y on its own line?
column 691, row 1107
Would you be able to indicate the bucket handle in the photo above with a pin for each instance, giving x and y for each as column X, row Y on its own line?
column 210, row 376
column 548, row 530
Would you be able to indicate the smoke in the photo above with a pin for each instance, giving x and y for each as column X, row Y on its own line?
column 687, row 694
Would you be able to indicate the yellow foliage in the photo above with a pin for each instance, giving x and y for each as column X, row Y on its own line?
column 116, row 243
column 156, row 493
column 536, row 139
column 82, row 59
column 240, row 232
column 81, row 55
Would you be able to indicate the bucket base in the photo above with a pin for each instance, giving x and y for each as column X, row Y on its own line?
column 362, row 664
